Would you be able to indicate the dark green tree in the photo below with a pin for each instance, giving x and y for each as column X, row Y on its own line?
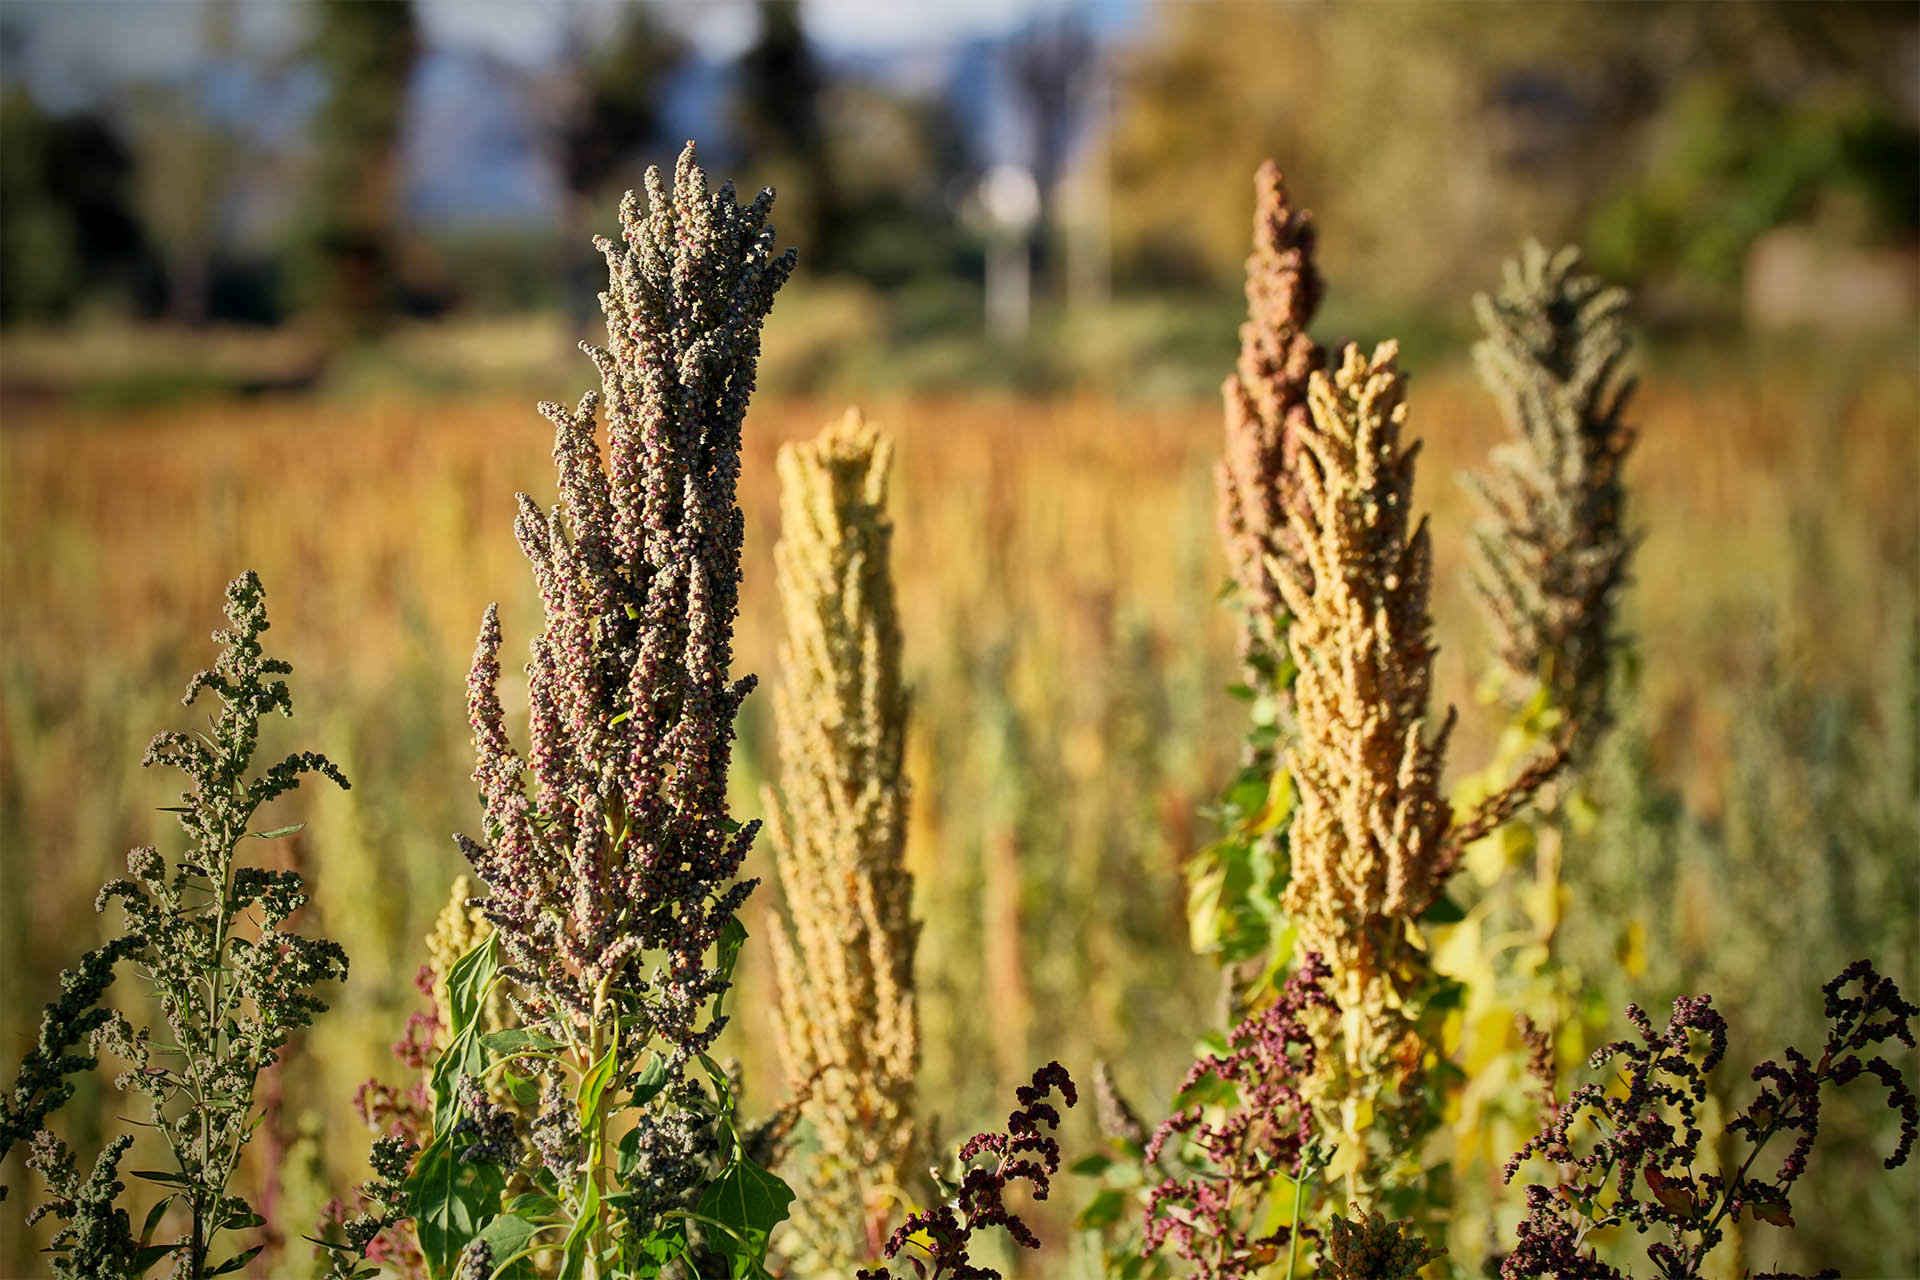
column 69, row 226
column 780, row 127
column 605, row 111
column 367, row 53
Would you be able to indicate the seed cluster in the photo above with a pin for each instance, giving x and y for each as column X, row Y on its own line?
column 1266, row 406
column 1626, row 1155
column 610, row 854
column 1550, row 549
column 848, row 1028
column 1208, row 1218
column 1373, row 839
column 1022, row 1153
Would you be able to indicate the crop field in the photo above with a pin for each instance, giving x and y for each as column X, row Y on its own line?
column 1058, row 580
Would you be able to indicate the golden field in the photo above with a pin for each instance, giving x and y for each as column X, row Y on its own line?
column 1058, row 580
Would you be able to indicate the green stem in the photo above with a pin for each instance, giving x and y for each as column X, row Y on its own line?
column 1293, row 1235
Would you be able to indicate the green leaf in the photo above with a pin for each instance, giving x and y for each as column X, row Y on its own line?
column 510, row 1237
column 733, row 936
column 462, row 1057
column 1091, row 1166
column 450, row 1202
column 1444, row 911
column 506, row 1043
column 153, row 1220
column 469, row 980
column 1103, row 1210
column 593, row 1084
column 573, row 1253
column 534, row 1205
column 276, row 833
column 147, row 1255
column 157, row 1175
column 667, row 1241
column 334, row 1245
column 236, row 1262
column 749, row 1202
column 629, row 1150
column 653, row 1078
column 1248, row 793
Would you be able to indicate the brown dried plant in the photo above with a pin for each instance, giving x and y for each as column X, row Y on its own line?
column 1266, row 405
column 848, row 1030
column 1373, row 839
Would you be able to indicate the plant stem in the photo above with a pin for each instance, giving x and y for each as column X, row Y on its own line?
column 1293, row 1233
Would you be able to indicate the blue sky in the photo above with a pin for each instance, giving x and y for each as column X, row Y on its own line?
column 78, row 49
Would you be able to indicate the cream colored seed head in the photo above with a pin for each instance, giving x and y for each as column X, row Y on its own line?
column 1373, row 839
column 458, row 929
column 847, row 1028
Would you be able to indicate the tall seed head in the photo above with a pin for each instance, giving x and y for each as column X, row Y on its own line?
column 1549, row 547
column 610, row 854
column 1373, row 838
column 1266, row 405
column 1369, row 836
column 848, row 1030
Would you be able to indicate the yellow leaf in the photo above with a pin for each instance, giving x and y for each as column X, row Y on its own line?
column 1279, row 804
column 1486, row 860
column 1345, row 1160
column 1631, row 950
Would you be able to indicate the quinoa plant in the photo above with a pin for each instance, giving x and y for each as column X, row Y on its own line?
column 208, row 933
column 609, row 854
column 1550, row 547
column 1234, row 885
column 1550, row 555
column 1374, row 842
column 1628, row 1156
column 848, row 1027
column 939, row 1241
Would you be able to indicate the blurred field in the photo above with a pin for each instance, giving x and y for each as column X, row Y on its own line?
column 1058, row 576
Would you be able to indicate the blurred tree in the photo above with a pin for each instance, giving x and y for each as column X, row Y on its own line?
column 367, row 53
column 1493, row 121
column 1052, row 65
column 69, row 228
column 602, row 107
column 780, row 129
column 187, row 159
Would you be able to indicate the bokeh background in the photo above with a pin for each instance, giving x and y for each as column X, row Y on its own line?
column 280, row 282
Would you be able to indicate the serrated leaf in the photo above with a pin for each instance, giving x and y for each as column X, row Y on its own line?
column 469, row 979
column 750, row 1202
column 667, row 1241
column 450, row 1202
